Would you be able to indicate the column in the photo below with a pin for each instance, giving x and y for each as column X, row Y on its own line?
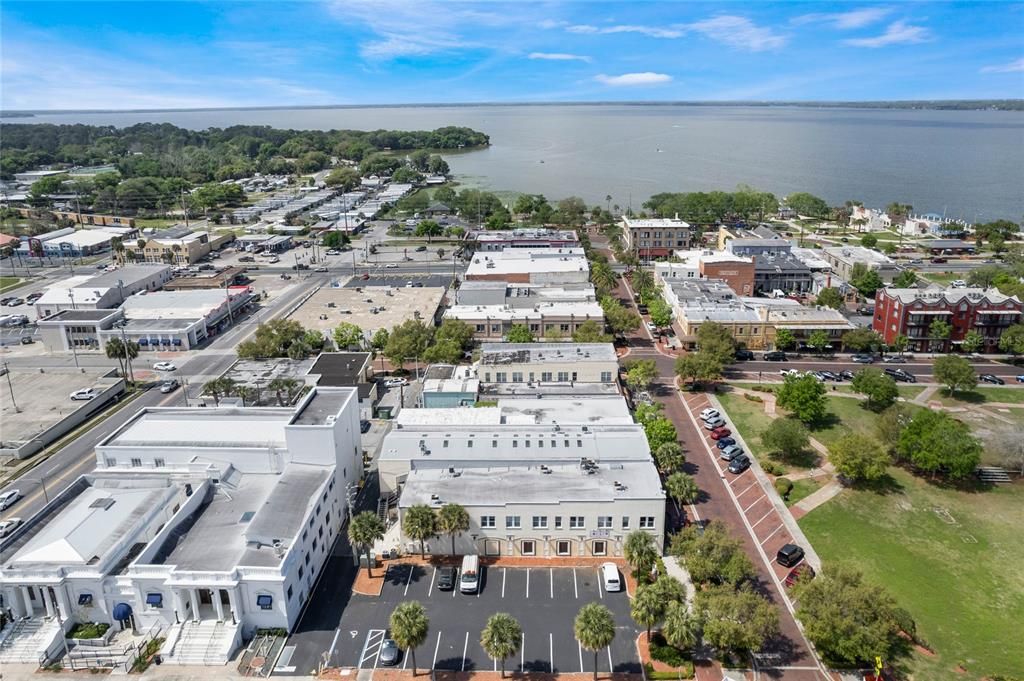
column 233, row 602
column 217, row 605
column 62, row 603
column 194, row 600
column 47, row 601
column 29, row 609
column 12, row 600
column 179, row 607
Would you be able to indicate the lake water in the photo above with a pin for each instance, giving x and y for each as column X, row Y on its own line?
column 967, row 164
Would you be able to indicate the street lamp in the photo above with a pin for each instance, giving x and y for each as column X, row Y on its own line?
column 10, row 386
column 124, row 343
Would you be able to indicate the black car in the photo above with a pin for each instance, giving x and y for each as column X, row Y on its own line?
column 901, row 375
column 991, row 378
column 789, row 555
column 26, row 340
column 739, row 464
column 420, row 249
column 642, row 309
column 828, row 376
column 743, row 353
column 724, row 442
column 845, row 375
column 775, row 356
column 364, row 426
column 446, row 578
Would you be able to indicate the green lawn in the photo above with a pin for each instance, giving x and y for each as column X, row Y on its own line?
column 981, row 395
column 848, row 416
column 159, row 223
column 9, row 283
column 907, row 392
column 941, row 277
column 749, row 419
column 962, row 582
column 802, row 489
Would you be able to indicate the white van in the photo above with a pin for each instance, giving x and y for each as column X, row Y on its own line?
column 610, row 577
column 469, row 579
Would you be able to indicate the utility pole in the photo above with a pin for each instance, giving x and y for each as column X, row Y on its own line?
column 183, row 208
column 10, row 386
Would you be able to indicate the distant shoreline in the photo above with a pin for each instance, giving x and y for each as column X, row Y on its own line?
column 918, row 105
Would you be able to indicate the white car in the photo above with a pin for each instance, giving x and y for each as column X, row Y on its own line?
column 958, row 283
column 710, row 413
column 333, row 251
column 392, row 266
column 164, row 366
column 7, row 526
column 716, row 422
column 320, row 269
column 395, row 383
column 7, row 499
column 85, row 394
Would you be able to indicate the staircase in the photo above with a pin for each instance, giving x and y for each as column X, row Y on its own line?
column 204, row 643
column 27, row 640
column 993, row 475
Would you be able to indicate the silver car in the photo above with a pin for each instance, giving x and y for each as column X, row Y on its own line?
column 390, row 653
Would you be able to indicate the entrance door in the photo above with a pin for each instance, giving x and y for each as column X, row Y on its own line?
column 492, row 547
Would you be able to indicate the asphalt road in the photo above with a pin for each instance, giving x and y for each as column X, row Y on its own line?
column 78, row 456
column 920, row 366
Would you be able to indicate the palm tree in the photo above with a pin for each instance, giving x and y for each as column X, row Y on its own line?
column 603, row 276
column 682, row 487
column 669, row 589
column 669, row 457
column 681, row 628
column 285, row 389
column 647, row 608
column 643, row 280
column 608, row 202
column 115, row 350
column 501, row 638
column 640, row 551
column 409, row 625
column 452, row 519
column 594, row 628
column 419, row 524
column 363, row 530
column 218, row 388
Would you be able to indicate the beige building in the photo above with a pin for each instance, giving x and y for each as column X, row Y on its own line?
column 176, row 246
column 544, row 363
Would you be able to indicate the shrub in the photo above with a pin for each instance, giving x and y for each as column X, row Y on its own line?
column 752, row 398
column 687, row 673
column 763, row 388
column 663, row 652
column 772, row 468
column 783, row 486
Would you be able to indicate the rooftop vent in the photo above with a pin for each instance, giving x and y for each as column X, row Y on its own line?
column 104, row 503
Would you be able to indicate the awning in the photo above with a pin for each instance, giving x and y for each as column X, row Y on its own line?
column 122, row 611
column 156, row 600
column 980, row 312
column 913, row 312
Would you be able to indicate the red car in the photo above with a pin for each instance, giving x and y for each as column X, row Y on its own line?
column 798, row 573
column 720, row 432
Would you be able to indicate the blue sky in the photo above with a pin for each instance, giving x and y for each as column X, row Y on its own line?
column 143, row 54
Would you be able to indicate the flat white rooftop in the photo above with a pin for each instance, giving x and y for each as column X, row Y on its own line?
column 538, row 353
column 654, row 222
column 204, row 428
column 597, row 411
column 508, row 485
column 582, row 310
column 526, row 260
column 189, row 304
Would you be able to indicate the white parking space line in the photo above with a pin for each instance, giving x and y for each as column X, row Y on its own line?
column 527, row 582
column 437, row 647
column 770, row 511
column 611, row 667
column 781, row 525
column 552, row 570
column 575, row 589
column 371, row 646
column 408, row 581
column 600, row 591
column 580, row 646
column 755, row 502
column 551, row 652
column 405, row 658
column 432, row 576
column 330, row 653
column 746, row 489
column 465, row 646
column 522, row 652
column 504, row 573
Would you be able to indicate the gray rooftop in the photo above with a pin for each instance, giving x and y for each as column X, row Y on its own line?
column 498, row 485
column 81, row 315
column 539, row 353
column 785, row 262
column 135, row 324
column 126, row 274
column 323, row 406
column 523, row 390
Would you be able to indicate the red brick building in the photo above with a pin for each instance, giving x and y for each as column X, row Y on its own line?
column 910, row 312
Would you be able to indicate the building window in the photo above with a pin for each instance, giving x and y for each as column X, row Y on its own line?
column 563, row 376
column 487, row 521
column 574, row 376
column 625, row 522
column 85, row 599
column 529, row 547
column 487, row 377
column 155, row 600
column 558, row 522
column 517, row 376
column 289, row 593
column 604, row 522
column 111, row 462
column 647, row 522
column 513, row 522
column 606, row 377
column 480, row 328
column 545, row 376
column 301, row 572
column 159, row 463
column 501, row 377
column 564, row 327
column 515, row 443
column 540, row 522
column 562, row 548
column 136, row 463
column 600, row 548
column 576, row 522
column 265, row 601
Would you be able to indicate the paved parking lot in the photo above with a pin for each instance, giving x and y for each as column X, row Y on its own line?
column 544, row 600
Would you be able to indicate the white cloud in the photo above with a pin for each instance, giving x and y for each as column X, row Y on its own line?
column 551, row 23
column 857, row 18
column 650, row 31
column 738, row 32
column 1013, row 67
column 632, row 79
column 898, row 33
column 558, row 56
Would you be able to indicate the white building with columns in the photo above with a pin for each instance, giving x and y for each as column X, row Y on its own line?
column 203, row 523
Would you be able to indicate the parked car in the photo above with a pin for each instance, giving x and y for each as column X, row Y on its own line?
column 828, row 375
column 392, row 266
column 800, row 571
column 333, row 251
column 15, row 302
column 789, row 555
column 395, row 383
column 1020, row 378
column 739, row 464
column 711, row 424
column 26, row 340
column 33, row 297
column 446, row 578
column 744, row 354
column 320, row 269
column 420, row 249
column 939, row 261
column 169, row 386
column 958, row 283
column 895, row 359
column 731, row 452
column 710, row 413
column 775, row 356
column 7, row 499
column 846, row 375
column 364, row 426
column 85, row 394
column 991, row 378
column 389, row 653
column 724, row 442
column 865, row 310
column 863, row 359
column 247, row 258
column 901, row 375
column 8, row 526
column 719, row 433
column 164, row 366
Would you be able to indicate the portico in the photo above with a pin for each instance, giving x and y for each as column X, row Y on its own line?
column 196, row 604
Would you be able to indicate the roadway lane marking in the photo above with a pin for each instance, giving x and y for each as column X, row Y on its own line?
column 770, row 511
column 408, row 581
column 504, row 572
column 781, row 525
column 432, row 576
column 371, row 646
column 755, row 503
column 465, row 646
column 575, row 589
column 436, row 648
